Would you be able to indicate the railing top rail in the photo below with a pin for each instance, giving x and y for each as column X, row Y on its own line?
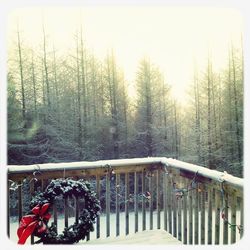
column 83, row 165
column 205, row 172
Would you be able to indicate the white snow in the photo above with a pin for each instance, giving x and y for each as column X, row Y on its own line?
column 213, row 174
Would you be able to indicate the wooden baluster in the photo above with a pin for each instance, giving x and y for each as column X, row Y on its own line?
column 174, row 206
column 127, row 203
column 185, row 215
column 88, row 234
column 210, row 216
column 158, row 197
column 165, row 203
column 98, row 188
column 196, row 216
column 143, row 201
column 32, row 190
column 136, row 200
column 117, row 205
column 225, row 224
column 151, row 200
column 179, row 216
column 42, row 184
column 233, row 217
column 108, row 204
column 203, row 197
column 55, row 213
column 241, row 216
column 76, row 210
column 66, row 212
column 169, row 203
column 190, row 215
column 8, row 207
column 217, row 216
column 20, row 200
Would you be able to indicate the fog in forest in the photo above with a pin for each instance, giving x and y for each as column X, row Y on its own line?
column 97, row 83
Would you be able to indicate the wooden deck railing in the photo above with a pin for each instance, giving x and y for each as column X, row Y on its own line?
column 194, row 204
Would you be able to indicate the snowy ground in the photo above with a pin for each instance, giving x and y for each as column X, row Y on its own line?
column 14, row 225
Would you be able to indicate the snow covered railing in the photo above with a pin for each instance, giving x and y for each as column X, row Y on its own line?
column 195, row 204
column 205, row 172
column 51, row 167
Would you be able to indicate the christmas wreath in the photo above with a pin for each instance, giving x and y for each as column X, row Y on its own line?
column 36, row 221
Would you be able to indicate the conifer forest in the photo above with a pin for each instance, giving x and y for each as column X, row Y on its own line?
column 76, row 106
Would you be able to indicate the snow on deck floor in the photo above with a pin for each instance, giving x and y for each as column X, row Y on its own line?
column 155, row 237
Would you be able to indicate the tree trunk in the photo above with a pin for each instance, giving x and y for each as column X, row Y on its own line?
column 21, row 77
column 209, row 117
column 56, row 89
column 79, row 92
column 34, row 84
column 114, row 112
column 84, row 95
column 112, row 82
column 236, row 108
column 197, row 118
column 164, row 117
column 149, row 139
column 176, row 132
column 230, row 136
column 46, row 70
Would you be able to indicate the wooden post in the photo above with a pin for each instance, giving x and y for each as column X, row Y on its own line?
column 32, row 189
column 174, row 206
column 151, row 200
column 88, row 234
column 210, row 215
column 66, row 211
column 179, row 216
column 225, row 224
column 203, row 194
column 169, row 203
column 126, row 203
column 217, row 216
column 76, row 206
column 143, row 202
column 117, row 207
column 136, row 200
column 158, row 197
column 190, row 215
column 98, row 188
column 165, row 197
column 241, row 216
column 233, row 217
column 76, row 210
column 20, row 201
column 108, row 204
column 55, row 213
column 185, row 215
column 8, row 207
column 196, row 217
column 42, row 184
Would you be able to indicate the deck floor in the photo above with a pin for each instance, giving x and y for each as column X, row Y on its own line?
column 156, row 237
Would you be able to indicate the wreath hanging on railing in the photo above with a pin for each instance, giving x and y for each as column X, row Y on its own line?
column 36, row 222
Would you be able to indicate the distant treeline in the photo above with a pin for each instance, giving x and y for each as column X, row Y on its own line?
column 74, row 107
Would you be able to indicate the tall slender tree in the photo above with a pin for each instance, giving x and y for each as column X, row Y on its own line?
column 21, row 74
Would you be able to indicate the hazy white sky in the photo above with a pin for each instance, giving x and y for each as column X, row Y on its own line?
column 171, row 37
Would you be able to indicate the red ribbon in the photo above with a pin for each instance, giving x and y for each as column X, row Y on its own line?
column 33, row 221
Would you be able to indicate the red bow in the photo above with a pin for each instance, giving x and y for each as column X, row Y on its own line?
column 30, row 222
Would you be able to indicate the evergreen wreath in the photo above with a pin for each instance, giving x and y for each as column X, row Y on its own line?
column 36, row 222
